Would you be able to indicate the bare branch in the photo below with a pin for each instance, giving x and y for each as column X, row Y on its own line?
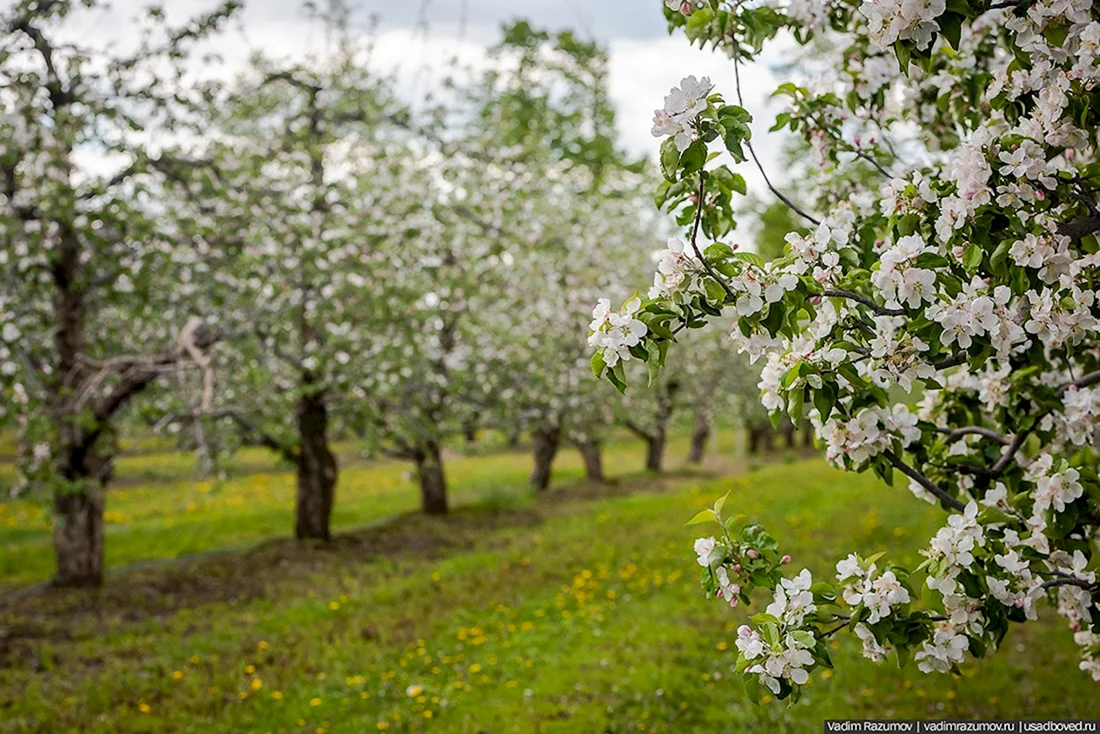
column 953, row 433
column 952, row 502
column 1069, row 581
column 880, row 310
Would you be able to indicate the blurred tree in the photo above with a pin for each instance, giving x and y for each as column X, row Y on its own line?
column 96, row 298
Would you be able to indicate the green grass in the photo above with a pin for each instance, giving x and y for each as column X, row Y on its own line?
column 155, row 511
column 574, row 612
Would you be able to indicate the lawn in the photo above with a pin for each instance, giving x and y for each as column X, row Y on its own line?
column 156, row 510
column 577, row 611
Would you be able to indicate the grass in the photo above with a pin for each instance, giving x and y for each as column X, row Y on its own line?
column 154, row 513
column 578, row 611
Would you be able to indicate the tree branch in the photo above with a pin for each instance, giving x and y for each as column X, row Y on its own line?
column 265, row 439
column 953, row 433
column 637, row 430
column 1069, row 581
column 1079, row 228
column 849, row 295
column 928, row 484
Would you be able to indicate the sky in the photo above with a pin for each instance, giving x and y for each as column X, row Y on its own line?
column 645, row 61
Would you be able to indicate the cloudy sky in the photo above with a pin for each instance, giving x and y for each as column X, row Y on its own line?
column 645, row 61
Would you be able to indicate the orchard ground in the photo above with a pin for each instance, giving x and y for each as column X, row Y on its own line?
column 578, row 610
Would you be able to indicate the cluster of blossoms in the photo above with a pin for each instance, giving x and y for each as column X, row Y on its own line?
column 891, row 20
column 683, row 106
column 868, row 434
column 965, row 276
column 615, row 332
column 674, row 269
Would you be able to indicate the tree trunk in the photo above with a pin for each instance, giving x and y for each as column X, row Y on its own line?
column 78, row 526
column 788, row 430
column 546, row 441
column 699, row 436
column 78, row 536
column 761, row 436
column 469, row 432
column 593, row 460
column 656, row 442
column 514, row 437
column 317, row 469
column 433, row 483
column 655, row 452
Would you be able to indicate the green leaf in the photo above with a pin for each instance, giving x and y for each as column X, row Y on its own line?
column 998, row 258
column 653, row 369
column 702, row 517
column 721, row 503
column 598, row 364
column 795, row 402
column 670, row 158
column 825, row 400
column 693, row 158
column 752, row 687
column 972, row 258
column 714, row 289
column 951, row 27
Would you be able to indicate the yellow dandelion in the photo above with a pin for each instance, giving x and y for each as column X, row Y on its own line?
column 263, row 645
column 315, row 702
column 144, row 707
column 277, row 695
column 257, row 684
column 250, row 669
column 334, row 605
column 383, row 725
column 428, row 714
column 475, row 668
column 177, row 675
column 414, row 690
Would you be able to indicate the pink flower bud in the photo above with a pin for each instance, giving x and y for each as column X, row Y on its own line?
column 785, row 559
column 753, row 554
column 737, row 568
column 1020, row 603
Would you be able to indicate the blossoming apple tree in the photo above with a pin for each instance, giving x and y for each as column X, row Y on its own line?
column 86, row 320
column 548, row 106
column 311, row 188
column 964, row 276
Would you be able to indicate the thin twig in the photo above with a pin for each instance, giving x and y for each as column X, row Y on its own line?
column 695, row 237
column 748, row 144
